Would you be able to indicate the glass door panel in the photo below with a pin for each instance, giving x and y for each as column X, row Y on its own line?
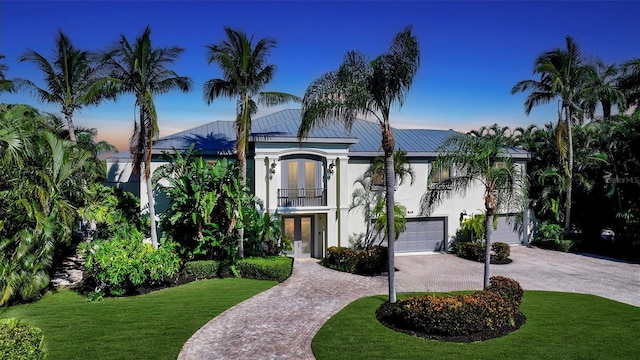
column 305, row 235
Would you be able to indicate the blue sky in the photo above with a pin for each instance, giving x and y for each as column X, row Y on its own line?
column 472, row 52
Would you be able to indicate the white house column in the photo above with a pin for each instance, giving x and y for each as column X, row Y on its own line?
column 342, row 200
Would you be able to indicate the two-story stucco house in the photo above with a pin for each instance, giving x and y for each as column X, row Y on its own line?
column 310, row 182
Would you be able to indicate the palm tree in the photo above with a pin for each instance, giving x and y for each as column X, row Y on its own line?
column 367, row 88
column 602, row 88
column 563, row 75
column 72, row 80
column 245, row 73
column 629, row 82
column 142, row 70
column 402, row 167
column 478, row 159
column 6, row 85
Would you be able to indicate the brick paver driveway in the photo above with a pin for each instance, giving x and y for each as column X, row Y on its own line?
column 281, row 322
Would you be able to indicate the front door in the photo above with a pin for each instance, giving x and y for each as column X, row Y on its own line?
column 300, row 230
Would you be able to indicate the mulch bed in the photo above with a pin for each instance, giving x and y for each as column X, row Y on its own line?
column 487, row 334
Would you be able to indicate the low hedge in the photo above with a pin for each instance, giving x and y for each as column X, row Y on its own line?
column 493, row 308
column 363, row 262
column 19, row 341
column 276, row 268
column 202, row 269
column 475, row 251
column 502, row 250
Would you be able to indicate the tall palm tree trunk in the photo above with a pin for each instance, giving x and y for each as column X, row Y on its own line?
column 69, row 118
column 388, row 143
column 567, row 215
column 488, row 228
column 152, row 205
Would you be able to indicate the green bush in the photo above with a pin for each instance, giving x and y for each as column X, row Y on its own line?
column 464, row 314
column 502, row 250
column 19, row 341
column 364, row 262
column 475, row 251
column 202, row 269
column 121, row 262
column 276, row 268
column 469, row 250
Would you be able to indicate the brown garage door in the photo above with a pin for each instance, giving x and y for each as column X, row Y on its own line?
column 509, row 230
column 425, row 234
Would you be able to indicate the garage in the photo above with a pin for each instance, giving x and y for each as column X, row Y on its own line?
column 509, row 230
column 424, row 234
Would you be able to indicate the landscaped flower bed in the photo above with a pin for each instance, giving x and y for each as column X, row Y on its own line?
column 460, row 318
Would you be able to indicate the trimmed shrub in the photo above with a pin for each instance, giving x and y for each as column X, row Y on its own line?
column 475, row 251
column 202, row 269
column 502, row 250
column 363, row 262
column 455, row 315
column 19, row 341
column 276, row 268
column 508, row 289
column 469, row 250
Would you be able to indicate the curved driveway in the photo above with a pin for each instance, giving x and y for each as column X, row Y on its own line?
column 281, row 322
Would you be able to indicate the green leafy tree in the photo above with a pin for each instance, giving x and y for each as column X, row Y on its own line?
column 479, row 160
column 246, row 72
column 367, row 88
column 72, row 79
column 142, row 70
column 563, row 75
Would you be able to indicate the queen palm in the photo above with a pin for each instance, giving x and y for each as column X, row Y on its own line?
column 480, row 159
column 142, row 70
column 71, row 77
column 361, row 87
column 563, row 76
column 245, row 73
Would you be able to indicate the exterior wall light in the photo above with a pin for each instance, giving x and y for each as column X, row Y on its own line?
column 273, row 167
column 332, row 167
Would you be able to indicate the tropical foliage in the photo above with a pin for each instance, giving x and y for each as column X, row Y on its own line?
column 367, row 88
column 208, row 206
column 245, row 72
column 38, row 199
column 72, row 78
column 142, row 70
column 481, row 158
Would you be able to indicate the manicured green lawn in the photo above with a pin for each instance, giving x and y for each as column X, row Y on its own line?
column 559, row 326
column 152, row 326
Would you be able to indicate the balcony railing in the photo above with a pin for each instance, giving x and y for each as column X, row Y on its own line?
column 302, row 197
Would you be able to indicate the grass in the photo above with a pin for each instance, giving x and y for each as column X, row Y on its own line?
column 151, row 326
column 559, row 326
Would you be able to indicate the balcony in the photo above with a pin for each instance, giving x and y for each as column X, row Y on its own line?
column 302, row 197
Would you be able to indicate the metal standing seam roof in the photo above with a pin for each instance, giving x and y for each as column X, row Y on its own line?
column 218, row 137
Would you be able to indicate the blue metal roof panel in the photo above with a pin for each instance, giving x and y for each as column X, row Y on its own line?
column 218, row 137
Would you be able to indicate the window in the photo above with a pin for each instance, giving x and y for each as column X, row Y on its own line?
column 443, row 173
column 377, row 178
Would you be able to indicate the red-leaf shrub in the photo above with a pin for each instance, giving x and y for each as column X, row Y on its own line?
column 465, row 314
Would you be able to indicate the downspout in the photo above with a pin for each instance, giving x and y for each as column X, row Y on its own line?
column 338, row 201
column 267, row 177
